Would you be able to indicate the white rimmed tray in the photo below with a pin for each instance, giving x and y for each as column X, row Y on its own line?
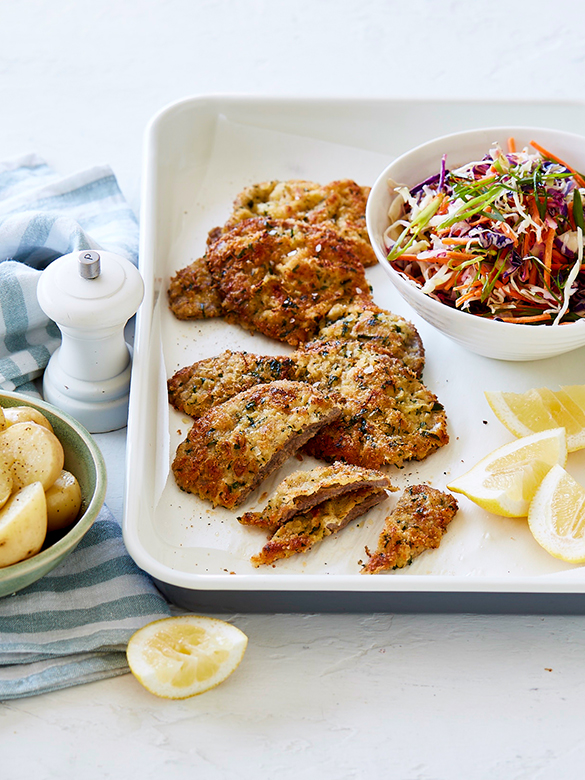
column 199, row 153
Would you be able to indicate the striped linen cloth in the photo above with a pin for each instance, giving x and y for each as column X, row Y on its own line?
column 43, row 216
column 72, row 626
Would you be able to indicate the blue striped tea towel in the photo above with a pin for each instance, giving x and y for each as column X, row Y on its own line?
column 44, row 216
column 71, row 626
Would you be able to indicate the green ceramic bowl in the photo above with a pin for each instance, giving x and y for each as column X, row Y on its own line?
column 83, row 459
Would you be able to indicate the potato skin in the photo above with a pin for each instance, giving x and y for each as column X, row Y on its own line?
column 63, row 502
column 36, row 494
column 36, row 454
column 6, row 481
column 17, row 414
column 23, row 524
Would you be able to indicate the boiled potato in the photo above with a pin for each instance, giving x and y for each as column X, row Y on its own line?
column 16, row 414
column 23, row 524
column 63, row 501
column 5, row 480
column 35, row 454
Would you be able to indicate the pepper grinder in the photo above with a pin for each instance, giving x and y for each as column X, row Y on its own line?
column 91, row 296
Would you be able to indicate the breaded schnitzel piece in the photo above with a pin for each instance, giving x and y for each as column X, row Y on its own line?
column 339, row 205
column 195, row 389
column 281, row 277
column 388, row 415
column 192, row 293
column 302, row 490
column 304, row 530
column 378, row 329
column 234, row 446
column 418, row 523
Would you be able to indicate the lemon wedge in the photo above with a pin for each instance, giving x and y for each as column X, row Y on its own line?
column 557, row 516
column 541, row 409
column 183, row 656
column 505, row 481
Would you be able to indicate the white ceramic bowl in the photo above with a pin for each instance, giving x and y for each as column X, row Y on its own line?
column 495, row 339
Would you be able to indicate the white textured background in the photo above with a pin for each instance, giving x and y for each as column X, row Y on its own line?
column 79, row 79
column 318, row 697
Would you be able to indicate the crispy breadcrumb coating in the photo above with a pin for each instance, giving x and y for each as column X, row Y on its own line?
column 281, row 277
column 378, row 329
column 388, row 415
column 304, row 530
column 339, row 205
column 196, row 388
column 234, row 446
column 302, row 490
column 192, row 293
column 418, row 522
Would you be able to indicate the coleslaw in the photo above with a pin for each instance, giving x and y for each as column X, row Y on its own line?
column 500, row 237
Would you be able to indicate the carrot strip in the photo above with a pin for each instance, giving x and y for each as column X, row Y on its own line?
column 534, row 210
column 474, row 292
column 456, row 241
column 448, row 284
column 511, row 145
column 545, row 153
column 474, row 222
column 407, row 257
column 534, row 318
column 572, row 220
column 460, row 255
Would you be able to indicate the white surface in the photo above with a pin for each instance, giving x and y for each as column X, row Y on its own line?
column 407, row 697
column 199, row 154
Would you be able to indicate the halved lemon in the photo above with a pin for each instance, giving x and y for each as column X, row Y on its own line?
column 505, row 481
column 183, row 656
column 557, row 516
column 541, row 409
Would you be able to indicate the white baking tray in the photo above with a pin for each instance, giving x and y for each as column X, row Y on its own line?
column 199, row 153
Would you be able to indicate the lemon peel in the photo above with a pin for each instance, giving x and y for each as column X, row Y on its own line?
column 186, row 655
column 505, row 481
column 541, row 409
column 557, row 516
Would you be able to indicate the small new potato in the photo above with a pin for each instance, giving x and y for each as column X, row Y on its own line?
column 17, row 414
column 6, row 481
column 23, row 524
column 63, row 501
column 34, row 452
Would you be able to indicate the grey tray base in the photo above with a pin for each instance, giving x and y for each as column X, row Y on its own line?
column 336, row 602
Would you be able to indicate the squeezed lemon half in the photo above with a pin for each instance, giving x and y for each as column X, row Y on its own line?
column 557, row 516
column 541, row 409
column 182, row 656
column 506, row 480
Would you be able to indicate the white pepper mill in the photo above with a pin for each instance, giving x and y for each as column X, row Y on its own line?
column 91, row 296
